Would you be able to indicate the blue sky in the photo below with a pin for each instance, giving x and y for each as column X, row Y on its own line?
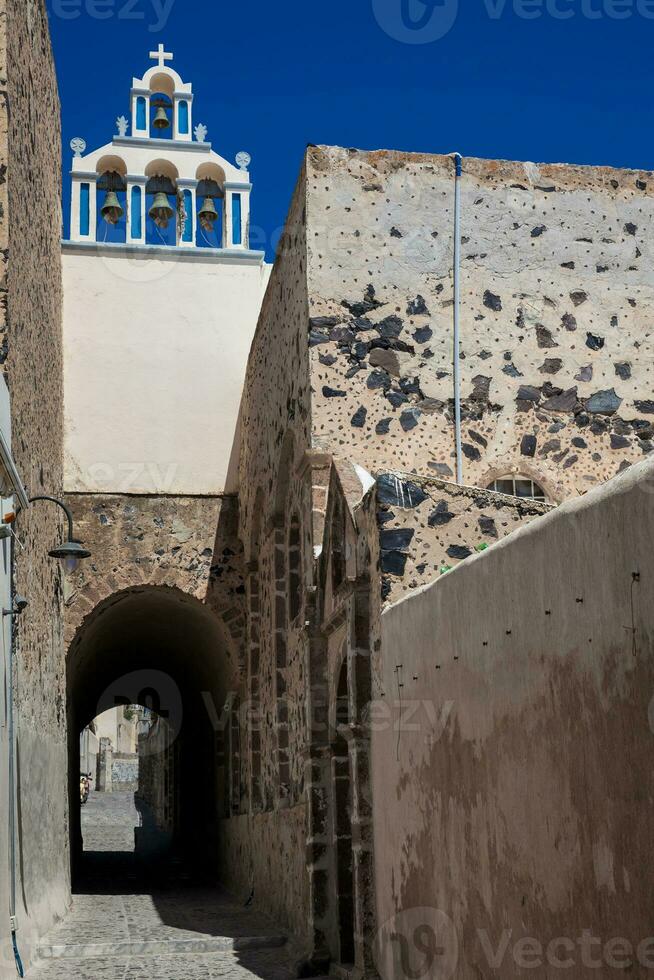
column 509, row 78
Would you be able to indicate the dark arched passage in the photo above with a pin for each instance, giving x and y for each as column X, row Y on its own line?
column 158, row 646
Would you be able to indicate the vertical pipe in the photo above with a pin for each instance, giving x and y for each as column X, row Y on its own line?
column 457, row 314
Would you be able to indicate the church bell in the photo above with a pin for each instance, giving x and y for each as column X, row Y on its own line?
column 161, row 211
column 208, row 214
column 112, row 210
column 161, row 120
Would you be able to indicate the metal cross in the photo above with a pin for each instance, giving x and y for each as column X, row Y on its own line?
column 162, row 56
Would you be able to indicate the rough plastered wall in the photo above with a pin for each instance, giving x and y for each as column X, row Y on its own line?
column 514, row 802
column 557, row 299
column 428, row 526
column 30, row 352
column 265, row 842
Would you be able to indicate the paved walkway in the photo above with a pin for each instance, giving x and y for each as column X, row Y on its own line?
column 119, row 930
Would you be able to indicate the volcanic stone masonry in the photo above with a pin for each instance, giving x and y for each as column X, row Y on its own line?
column 557, row 303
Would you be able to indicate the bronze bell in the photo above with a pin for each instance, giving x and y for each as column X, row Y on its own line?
column 112, row 210
column 161, row 211
column 208, row 214
column 161, row 120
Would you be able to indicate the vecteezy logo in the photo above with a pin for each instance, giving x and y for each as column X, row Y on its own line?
column 416, row 21
column 417, row 944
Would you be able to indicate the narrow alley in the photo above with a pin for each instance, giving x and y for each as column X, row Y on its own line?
column 137, row 914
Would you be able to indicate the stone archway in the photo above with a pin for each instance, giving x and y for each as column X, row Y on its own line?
column 164, row 641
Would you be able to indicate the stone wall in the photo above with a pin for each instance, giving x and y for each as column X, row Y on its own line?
column 269, row 738
column 557, row 298
column 125, row 773
column 513, row 797
column 428, row 526
column 31, row 357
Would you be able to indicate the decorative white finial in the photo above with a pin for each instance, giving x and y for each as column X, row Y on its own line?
column 122, row 124
column 201, row 132
column 78, row 145
column 243, row 159
column 162, row 56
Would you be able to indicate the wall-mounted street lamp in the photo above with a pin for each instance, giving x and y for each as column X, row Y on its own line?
column 71, row 552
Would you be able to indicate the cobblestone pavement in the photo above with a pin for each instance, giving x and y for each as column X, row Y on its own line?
column 118, row 929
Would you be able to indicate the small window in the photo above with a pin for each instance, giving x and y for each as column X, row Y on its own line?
column 237, row 218
column 519, row 486
column 141, row 114
column 137, row 216
column 187, row 235
column 85, row 210
column 183, row 118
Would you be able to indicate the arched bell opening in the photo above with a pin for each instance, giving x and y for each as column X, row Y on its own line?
column 161, row 649
column 112, row 203
column 161, row 204
column 161, row 116
column 210, row 206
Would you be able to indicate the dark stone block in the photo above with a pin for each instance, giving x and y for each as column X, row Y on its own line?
column 604, row 403
column 527, row 393
column 383, row 427
column 423, row 334
column 594, row 341
column 392, row 326
column 492, row 302
column 417, row 307
column 396, row 492
column 579, row 443
column 481, row 389
column 512, row 371
column 409, row 419
column 585, row 374
column 551, row 365
column 579, row 297
column 459, row 552
column 551, row 446
column 396, row 233
column 538, row 231
column 393, row 563
column 476, row 437
column 567, row 401
column 488, row 527
column 396, row 540
column 619, row 442
column 396, row 398
column 333, row 392
column 623, row 370
column 569, row 321
column 441, row 516
column 327, row 359
column 342, row 335
column 630, row 228
column 646, row 407
column 359, row 417
column 323, row 322
column 528, row 446
column 379, row 379
column 471, row 452
column 544, row 337
column 316, row 337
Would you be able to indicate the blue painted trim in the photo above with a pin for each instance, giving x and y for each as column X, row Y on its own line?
column 237, row 219
column 188, row 224
column 141, row 113
column 85, row 209
column 137, row 218
column 183, row 117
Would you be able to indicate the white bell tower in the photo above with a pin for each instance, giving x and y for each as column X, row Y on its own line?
column 162, row 294
column 117, row 189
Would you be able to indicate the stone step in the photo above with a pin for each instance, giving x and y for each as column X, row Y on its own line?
column 158, row 947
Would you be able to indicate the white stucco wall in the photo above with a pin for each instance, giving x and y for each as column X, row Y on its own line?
column 155, row 353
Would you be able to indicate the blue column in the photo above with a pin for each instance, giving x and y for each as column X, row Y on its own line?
column 237, row 219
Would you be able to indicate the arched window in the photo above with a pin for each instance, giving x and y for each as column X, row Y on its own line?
column 519, row 486
column 294, row 568
column 183, row 118
column 141, row 114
